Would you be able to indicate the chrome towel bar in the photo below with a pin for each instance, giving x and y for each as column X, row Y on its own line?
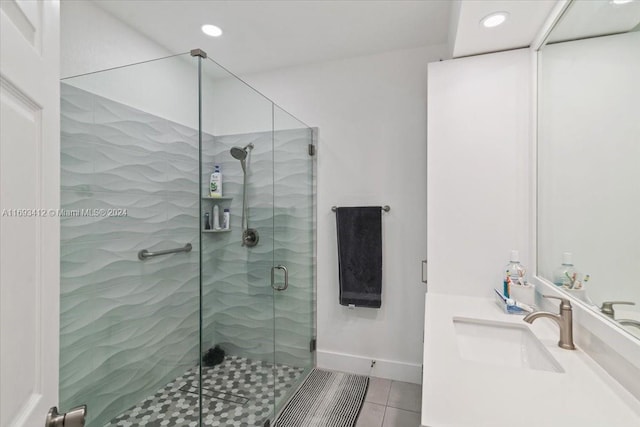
column 144, row 254
column 385, row 208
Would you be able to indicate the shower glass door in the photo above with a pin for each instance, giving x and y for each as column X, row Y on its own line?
column 294, row 247
column 237, row 297
column 264, row 329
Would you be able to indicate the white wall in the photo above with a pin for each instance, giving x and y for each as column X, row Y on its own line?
column 479, row 170
column 371, row 112
column 94, row 40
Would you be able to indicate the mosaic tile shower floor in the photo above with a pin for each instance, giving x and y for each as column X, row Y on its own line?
column 236, row 393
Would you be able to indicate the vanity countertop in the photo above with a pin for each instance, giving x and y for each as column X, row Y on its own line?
column 462, row 393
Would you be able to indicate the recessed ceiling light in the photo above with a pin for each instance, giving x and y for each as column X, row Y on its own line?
column 211, row 30
column 620, row 1
column 494, row 19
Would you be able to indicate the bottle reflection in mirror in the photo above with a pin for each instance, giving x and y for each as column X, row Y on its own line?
column 566, row 275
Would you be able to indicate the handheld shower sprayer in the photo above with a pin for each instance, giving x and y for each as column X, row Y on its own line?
column 250, row 236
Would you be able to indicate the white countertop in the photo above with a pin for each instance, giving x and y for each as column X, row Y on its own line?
column 462, row 393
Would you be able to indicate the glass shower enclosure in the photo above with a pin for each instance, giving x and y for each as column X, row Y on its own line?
column 205, row 327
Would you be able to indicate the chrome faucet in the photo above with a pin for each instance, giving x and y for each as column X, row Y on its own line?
column 607, row 307
column 564, row 321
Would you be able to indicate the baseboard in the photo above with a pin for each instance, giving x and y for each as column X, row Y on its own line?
column 389, row 369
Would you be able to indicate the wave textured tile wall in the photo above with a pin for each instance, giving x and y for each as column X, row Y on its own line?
column 127, row 326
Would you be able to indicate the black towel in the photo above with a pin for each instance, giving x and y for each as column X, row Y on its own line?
column 360, row 255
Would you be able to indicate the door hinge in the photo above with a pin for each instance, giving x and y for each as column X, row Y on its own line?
column 312, row 345
column 312, row 150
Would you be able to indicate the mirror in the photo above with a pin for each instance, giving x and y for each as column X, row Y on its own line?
column 589, row 157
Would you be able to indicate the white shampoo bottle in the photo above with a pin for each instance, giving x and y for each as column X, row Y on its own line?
column 226, row 219
column 216, row 217
column 215, row 185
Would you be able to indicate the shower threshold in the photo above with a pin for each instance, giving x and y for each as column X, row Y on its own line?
column 237, row 393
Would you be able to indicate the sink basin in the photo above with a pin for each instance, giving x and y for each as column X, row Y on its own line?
column 502, row 344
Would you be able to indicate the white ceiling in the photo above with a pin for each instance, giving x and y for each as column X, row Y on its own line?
column 261, row 35
column 526, row 17
column 268, row 34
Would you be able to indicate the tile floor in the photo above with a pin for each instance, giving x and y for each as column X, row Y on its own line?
column 391, row 404
column 236, row 393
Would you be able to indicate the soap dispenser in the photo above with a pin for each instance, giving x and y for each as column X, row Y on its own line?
column 515, row 270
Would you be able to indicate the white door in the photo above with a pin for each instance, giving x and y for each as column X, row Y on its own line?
column 29, row 229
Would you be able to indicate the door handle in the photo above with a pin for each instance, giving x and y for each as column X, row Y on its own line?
column 74, row 418
column 424, row 264
column 286, row 277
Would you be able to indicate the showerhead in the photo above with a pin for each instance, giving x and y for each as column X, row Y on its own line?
column 238, row 153
column 241, row 153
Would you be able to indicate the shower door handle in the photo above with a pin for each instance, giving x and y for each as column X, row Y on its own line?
column 286, row 277
column 74, row 418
